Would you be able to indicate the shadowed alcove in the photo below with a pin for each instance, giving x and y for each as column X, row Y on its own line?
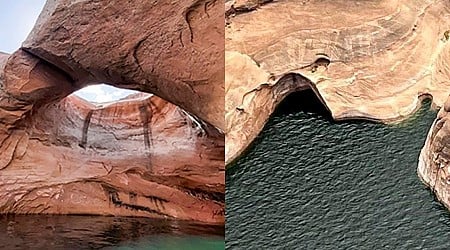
column 310, row 182
column 136, row 156
column 153, row 156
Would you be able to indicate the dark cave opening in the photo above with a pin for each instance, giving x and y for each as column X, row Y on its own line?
column 303, row 101
column 305, row 170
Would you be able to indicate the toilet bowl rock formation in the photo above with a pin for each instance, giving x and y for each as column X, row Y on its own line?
column 371, row 60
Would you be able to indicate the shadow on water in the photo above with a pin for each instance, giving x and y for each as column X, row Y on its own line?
column 307, row 102
column 304, row 101
column 310, row 183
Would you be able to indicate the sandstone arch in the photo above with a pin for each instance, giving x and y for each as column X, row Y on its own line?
column 171, row 49
column 147, row 157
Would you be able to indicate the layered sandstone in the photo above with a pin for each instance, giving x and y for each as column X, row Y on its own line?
column 364, row 59
column 434, row 168
column 141, row 156
column 173, row 49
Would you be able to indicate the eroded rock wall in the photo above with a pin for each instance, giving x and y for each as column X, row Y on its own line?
column 138, row 157
column 173, row 49
column 142, row 156
column 434, row 168
column 364, row 59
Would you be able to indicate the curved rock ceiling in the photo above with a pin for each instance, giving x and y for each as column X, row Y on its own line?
column 173, row 49
column 142, row 156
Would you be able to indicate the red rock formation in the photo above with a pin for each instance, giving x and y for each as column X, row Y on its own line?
column 138, row 157
column 173, row 49
column 434, row 168
column 141, row 157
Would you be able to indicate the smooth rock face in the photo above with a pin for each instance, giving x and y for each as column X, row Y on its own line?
column 173, row 49
column 434, row 168
column 364, row 59
column 27, row 83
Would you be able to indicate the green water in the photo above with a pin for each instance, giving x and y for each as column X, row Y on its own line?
column 310, row 183
column 95, row 232
column 173, row 243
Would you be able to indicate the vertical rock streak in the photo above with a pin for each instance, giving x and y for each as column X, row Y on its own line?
column 146, row 118
column 87, row 122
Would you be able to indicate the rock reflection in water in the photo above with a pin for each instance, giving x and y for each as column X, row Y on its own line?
column 87, row 232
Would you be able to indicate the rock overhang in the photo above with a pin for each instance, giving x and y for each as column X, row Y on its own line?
column 139, row 157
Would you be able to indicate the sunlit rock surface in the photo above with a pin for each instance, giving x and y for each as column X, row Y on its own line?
column 434, row 168
column 364, row 59
column 173, row 49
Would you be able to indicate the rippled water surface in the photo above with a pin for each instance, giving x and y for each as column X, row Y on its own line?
column 94, row 232
column 309, row 183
